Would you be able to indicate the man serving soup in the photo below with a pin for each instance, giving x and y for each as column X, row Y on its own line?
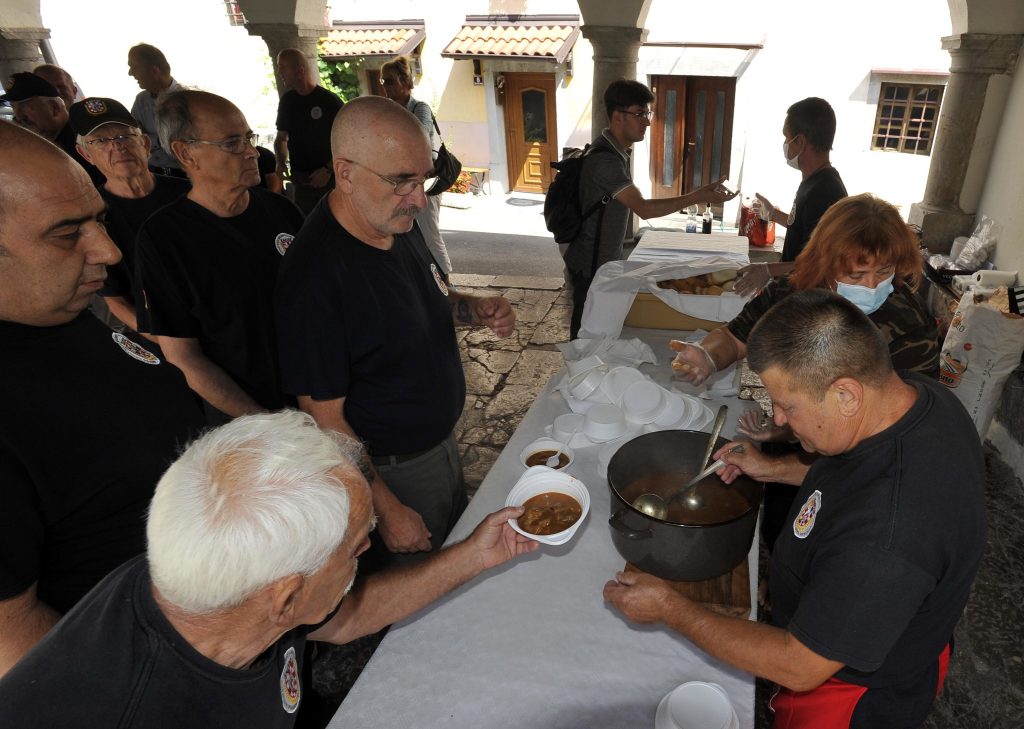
column 879, row 551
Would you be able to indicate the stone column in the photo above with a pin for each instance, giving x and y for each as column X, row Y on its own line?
column 976, row 57
column 19, row 49
column 279, row 36
column 616, row 51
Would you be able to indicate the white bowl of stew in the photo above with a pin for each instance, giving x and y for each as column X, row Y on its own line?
column 556, row 504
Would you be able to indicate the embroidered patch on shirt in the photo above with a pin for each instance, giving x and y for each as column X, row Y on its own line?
column 134, row 350
column 282, row 241
column 804, row 521
column 291, row 688
column 439, row 279
column 316, row 112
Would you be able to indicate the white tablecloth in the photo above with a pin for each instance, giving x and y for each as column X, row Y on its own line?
column 532, row 644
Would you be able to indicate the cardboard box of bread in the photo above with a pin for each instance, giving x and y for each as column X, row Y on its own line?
column 686, row 302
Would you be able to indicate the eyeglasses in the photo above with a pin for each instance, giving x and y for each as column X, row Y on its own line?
column 638, row 114
column 231, row 145
column 104, row 142
column 403, row 186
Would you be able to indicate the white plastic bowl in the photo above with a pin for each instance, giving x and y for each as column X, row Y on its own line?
column 604, row 422
column 566, row 425
column 586, row 384
column 696, row 705
column 547, row 444
column 541, row 480
column 579, row 366
column 617, row 380
column 676, row 406
column 643, row 401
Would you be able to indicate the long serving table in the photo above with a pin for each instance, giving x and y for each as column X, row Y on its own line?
column 532, row 644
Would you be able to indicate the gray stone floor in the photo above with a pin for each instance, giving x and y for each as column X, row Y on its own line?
column 985, row 688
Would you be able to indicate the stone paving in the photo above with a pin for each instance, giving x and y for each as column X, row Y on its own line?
column 504, row 376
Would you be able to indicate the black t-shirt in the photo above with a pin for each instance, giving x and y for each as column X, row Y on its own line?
column 880, row 549
column 267, row 164
column 90, row 421
column 374, row 327
column 308, row 120
column 116, row 661
column 815, row 195
column 212, row 279
column 125, row 215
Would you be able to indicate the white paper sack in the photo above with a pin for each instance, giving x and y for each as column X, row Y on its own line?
column 981, row 349
column 617, row 283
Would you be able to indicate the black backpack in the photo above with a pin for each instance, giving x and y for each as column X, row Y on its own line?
column 563, row 208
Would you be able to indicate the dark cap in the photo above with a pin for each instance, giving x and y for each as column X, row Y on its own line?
column 90, row 114
column 27, row 85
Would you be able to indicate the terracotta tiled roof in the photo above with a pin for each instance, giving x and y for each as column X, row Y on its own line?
column 378, row 38
column 540, row 37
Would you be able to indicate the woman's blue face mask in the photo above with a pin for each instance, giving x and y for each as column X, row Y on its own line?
column 867, row 300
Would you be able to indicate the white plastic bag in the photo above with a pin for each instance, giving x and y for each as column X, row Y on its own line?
column 983, row 346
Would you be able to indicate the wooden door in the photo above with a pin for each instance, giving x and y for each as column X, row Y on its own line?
column 709, row 108
column 373, row 81
column 691, row 132
column 530, row 130
column 668, row 128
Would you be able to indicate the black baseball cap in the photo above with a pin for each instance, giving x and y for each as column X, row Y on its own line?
column 25, row 85
column 90, row 114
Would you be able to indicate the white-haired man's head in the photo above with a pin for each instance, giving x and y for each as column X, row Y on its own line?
column 261, row 498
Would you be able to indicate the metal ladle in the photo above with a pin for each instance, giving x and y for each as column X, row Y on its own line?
column 655, row 506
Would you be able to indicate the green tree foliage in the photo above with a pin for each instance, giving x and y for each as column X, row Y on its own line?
column 339, row 77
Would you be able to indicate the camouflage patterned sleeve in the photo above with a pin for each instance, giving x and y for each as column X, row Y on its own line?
column 910, row 331
column 773, row 293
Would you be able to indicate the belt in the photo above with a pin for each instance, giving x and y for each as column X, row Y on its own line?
column 400, row 458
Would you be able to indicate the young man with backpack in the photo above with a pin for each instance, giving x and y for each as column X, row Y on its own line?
column 607, row 192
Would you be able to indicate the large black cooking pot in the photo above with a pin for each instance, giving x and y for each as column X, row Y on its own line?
column 687, row 545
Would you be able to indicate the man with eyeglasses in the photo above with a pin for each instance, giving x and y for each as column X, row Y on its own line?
column 110, row 138
column 206, row 264
column 38, row 107
column 607, row 177
column 366, row 327
column 304, row 117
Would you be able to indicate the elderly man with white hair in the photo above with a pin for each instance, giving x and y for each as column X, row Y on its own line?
column 254, row 534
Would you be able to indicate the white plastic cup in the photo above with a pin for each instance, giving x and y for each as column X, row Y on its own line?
column 696, row 705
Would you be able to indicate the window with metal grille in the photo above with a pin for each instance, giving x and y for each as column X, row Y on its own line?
column 906, row 117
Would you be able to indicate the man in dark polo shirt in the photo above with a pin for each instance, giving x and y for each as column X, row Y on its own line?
column 90, row 417
column 38, row 107
column 110, row 138
column 875, row 564
column 207, row 263
column 366, row 325
column 304, row 117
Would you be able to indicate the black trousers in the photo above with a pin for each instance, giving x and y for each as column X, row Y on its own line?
column 580, row 286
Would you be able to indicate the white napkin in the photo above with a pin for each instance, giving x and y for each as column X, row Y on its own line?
column 617, row 283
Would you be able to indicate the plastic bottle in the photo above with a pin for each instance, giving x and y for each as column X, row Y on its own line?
column 707, row 220
column 691, row 220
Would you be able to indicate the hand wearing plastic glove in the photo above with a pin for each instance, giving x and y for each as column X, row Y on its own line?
column 767, row 209
column 752, row 279
column 757, row 426
column 692, row 363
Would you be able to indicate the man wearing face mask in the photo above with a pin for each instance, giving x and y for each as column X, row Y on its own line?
column 808, row 132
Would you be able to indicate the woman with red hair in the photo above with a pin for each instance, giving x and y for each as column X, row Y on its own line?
column 862, row 250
